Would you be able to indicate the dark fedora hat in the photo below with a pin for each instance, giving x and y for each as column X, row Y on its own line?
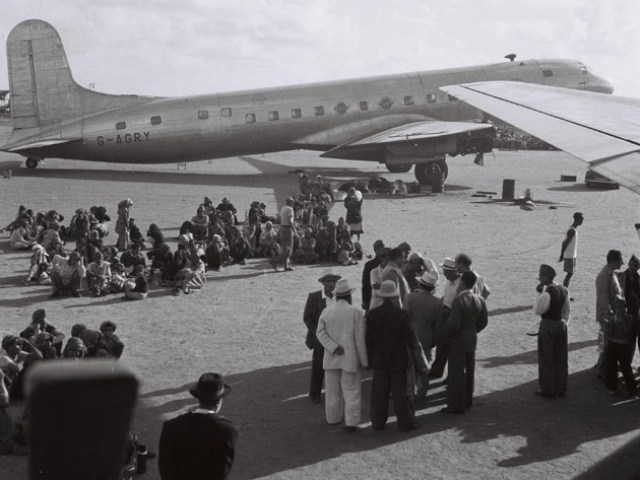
column 210, row 387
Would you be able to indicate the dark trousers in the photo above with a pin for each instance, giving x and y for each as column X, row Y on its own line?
column 442, row 355
column 395, row 384
column 461, row 377
column 317, row 372
column 59, row 286
column 553, row 363
column 620, row 353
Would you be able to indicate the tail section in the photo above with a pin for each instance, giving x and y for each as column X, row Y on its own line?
column 46, row 102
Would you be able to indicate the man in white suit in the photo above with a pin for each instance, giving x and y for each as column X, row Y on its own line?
column 341, row 331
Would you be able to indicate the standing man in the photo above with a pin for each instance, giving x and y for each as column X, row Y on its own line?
column 450, row 291
column 122, row 225
column 607, row 289
column 393, row 272
column 287, row 234
column 390, row 338
column 468, row 318
column 630, row 284
column 316, row 303
column 463, row 264
column 425, row 317
column 378, row 247
column 569, row 250
column 375, row 278
column 199, row 444
column 553, row 306
column 341, row 331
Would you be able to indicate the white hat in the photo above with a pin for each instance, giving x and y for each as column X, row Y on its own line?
column 448, row 264
column 388, row 289
column 428, row 279
column 342, row 287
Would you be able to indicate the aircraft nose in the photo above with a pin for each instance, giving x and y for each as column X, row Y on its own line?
column 600, row 84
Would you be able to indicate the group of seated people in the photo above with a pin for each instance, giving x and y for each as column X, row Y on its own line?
column 212, row 239
column 42, row 341
column 225, row 241
column 46, row 228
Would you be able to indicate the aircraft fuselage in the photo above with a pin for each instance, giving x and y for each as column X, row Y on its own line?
column 163, row 130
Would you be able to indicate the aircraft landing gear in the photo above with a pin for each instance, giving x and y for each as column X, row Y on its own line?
column 425, row 172
column 31, row 163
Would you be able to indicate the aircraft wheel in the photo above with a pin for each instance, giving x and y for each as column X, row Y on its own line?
column 31, row 163
column 426, row 171
column 399, row 168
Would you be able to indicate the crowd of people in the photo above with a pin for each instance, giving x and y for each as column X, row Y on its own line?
column 41, row 341
column 395, row 332
column 403, row 332
column 407, row 334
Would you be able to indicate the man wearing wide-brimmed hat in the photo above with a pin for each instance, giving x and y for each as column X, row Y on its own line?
column 425, row 316
column 341, row 331
column 393, row 349
column 316, row 303
column 450, row 291
column 200, row 443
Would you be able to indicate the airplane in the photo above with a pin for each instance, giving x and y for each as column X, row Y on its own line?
column 400, row 120
column 602, row 130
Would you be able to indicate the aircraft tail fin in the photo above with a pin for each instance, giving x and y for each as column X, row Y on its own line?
column 44, row 95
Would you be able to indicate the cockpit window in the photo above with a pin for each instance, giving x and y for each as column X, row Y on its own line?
column 547, row 73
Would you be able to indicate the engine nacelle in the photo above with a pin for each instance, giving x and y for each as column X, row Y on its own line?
column 439, row 147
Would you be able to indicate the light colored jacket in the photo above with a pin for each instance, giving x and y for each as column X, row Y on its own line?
column 342, row 324
column 393, row 272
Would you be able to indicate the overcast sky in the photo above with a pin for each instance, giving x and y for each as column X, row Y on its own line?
column 183, row 47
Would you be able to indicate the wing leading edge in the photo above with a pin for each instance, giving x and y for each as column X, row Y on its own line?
column 603, row 130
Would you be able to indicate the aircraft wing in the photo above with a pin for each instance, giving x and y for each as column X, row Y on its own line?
column 413, row 133
column 37, row 144
column 603, row 130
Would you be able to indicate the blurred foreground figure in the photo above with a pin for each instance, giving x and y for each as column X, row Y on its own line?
column 199, row 444
column 79, row 417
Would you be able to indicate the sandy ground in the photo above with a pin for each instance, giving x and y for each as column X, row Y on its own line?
column 247, row 322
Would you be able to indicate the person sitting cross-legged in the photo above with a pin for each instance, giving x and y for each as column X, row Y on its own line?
column 67, row 274
column 99, row 275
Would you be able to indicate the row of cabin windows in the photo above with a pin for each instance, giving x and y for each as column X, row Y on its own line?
column 341, row 108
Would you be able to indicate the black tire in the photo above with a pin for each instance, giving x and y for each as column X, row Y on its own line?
column 425, row 172
column 31, row 163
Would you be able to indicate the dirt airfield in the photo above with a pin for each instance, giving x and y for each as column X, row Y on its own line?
column 247, row 322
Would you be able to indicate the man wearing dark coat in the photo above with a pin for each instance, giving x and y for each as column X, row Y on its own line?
column 390, row 339
column 378, row 248
column 630, row 285
column 468, row 317
column 200, row 444
column 316, row 303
